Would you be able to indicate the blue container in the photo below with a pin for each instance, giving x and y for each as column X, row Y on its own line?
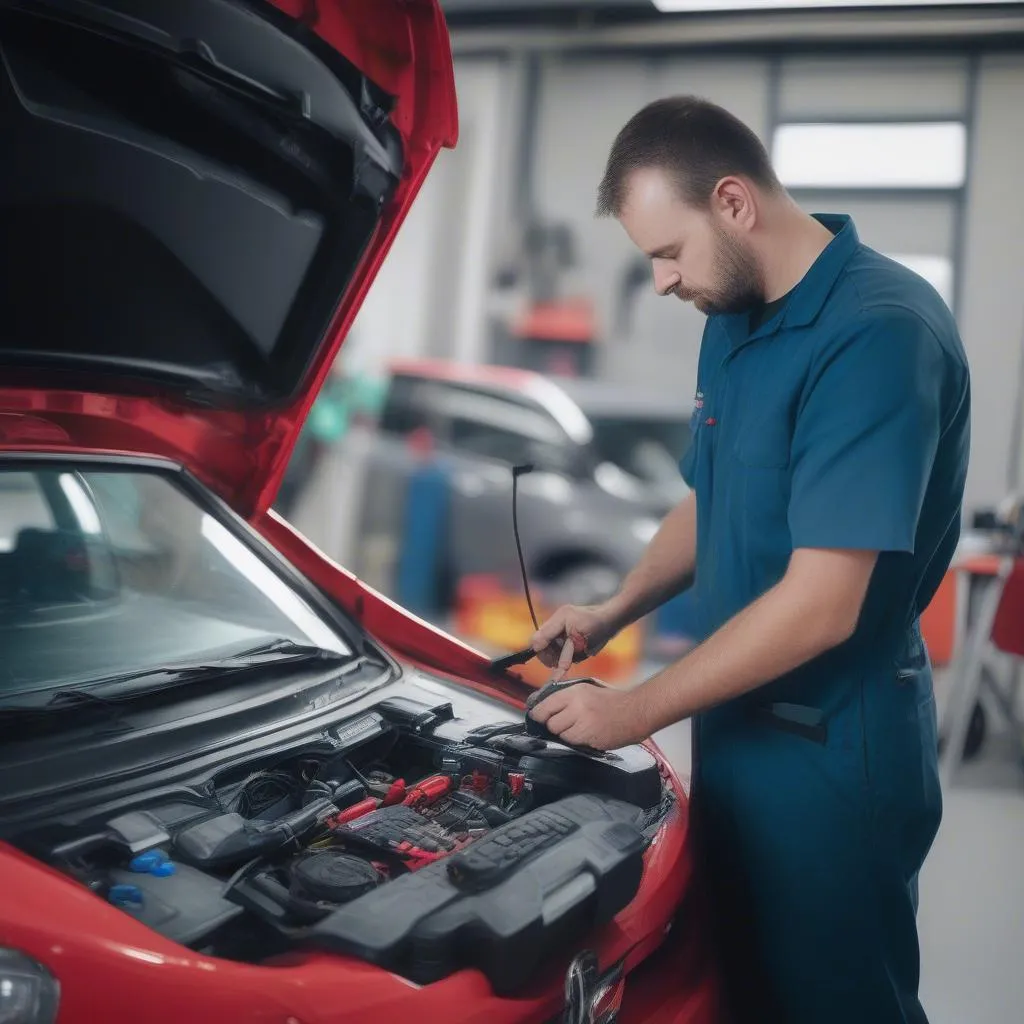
column 424, row 532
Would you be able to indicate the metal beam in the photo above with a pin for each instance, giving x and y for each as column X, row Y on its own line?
column 777, row 30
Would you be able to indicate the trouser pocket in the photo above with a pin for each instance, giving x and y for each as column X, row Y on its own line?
column 795, row 719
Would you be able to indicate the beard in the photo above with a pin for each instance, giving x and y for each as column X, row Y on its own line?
column 740, row 287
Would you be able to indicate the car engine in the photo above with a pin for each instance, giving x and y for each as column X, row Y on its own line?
column 401, row 836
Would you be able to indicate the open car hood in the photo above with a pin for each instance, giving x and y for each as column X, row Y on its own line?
column 195, row 198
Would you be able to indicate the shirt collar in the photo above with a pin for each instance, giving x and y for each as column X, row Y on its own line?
column 808, row 296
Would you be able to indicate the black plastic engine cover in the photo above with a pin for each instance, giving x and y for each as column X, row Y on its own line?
column 186, row 907
column 505, row 903
column 629, row 774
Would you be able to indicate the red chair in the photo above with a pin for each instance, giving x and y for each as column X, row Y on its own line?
column 994, row 633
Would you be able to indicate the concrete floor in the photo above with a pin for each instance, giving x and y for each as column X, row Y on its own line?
column 971, row 920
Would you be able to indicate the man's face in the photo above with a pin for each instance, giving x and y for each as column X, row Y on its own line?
column 694, row 257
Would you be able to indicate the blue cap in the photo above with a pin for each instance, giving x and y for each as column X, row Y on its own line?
column 162, row 870
column 123, row 895
column 147, row 863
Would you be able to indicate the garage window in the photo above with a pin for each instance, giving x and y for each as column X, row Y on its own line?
column 867, row 156
column 838, row 148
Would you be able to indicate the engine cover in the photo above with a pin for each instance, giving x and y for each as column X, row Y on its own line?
column 630, row 774
column 504, row 903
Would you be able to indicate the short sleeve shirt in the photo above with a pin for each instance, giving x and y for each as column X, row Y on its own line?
column 841, row 422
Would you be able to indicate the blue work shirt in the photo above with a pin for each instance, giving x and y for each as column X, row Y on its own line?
column 841, row 422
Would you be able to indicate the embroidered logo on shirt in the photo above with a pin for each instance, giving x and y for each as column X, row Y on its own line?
column 697, row 415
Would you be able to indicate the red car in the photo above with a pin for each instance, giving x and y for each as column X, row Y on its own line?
column 236, row 784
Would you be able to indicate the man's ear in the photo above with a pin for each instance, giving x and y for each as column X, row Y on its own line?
column 733, row 200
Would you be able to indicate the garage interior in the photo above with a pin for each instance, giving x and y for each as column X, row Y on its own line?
column 907, row 117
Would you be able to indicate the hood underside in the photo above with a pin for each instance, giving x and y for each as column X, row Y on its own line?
column 196, row 196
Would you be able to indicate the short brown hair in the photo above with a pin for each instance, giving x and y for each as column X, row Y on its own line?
column 695, row 141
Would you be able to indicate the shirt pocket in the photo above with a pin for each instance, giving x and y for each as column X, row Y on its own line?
column 759, row 491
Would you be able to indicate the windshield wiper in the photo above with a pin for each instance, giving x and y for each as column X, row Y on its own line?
column 274, row 652
column 112, row 691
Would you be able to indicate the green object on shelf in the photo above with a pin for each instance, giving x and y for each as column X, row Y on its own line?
column 340, row 399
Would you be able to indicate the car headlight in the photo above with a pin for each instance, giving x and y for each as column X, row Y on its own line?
column 29, row 994
column 645, row 529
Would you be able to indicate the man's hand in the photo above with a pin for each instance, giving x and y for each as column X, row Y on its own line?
column 664, row 571
column 588, row 627
column 594, row 716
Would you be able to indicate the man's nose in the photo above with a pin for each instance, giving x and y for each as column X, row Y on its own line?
column 665, row 280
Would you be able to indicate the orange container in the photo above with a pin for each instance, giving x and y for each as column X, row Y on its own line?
column 938, row 621
column 499, row 622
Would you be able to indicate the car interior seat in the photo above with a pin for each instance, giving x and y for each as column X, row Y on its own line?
column 51, row 566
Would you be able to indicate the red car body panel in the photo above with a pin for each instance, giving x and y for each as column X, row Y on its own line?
column 403, row 46
column 114, row 969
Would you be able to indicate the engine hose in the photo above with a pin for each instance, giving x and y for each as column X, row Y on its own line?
column 491, row 813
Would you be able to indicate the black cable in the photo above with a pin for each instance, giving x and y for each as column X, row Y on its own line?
column 263, row 790
column 517, row 472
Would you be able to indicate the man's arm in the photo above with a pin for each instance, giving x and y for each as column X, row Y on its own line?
column 812, row 609
column 665, row 569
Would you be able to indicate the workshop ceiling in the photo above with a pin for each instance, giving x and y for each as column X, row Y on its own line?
column 650, row 7
column 499, row 6
column 480, row 25
column 482, row 12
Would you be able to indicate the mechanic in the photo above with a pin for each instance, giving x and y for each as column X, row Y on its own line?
column 827, row 467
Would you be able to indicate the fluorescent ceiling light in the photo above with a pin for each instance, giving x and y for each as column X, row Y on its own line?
column 871, row 155
column 712, row 6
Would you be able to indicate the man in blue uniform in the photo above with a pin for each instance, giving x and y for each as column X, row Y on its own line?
column 829, row 453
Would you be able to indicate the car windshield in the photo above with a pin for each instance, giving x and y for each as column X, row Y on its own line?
column 107, row 573
column 647, row 447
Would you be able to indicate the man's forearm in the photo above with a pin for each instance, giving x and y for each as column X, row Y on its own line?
column 665, row 569
column 803, row 616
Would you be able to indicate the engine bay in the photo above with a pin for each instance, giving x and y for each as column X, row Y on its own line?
column 401, row 836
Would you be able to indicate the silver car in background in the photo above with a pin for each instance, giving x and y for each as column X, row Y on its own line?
column 605, row 473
